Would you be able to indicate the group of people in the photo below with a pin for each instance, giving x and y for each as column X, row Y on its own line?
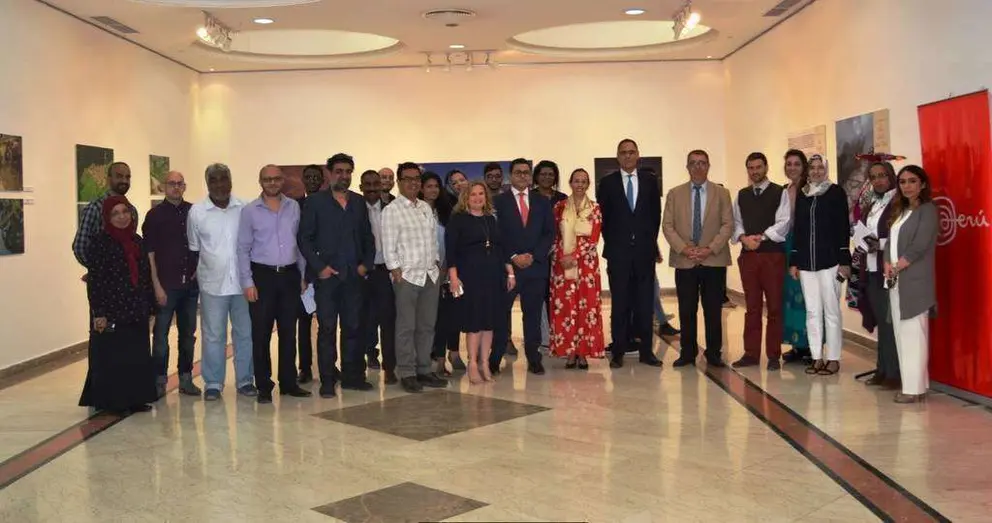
column 411, row 273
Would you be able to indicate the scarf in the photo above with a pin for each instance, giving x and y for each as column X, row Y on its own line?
column 811, row 188
column 124, row 237
column 574, row 223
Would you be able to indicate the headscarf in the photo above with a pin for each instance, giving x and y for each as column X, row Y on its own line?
column 125, row 237
column 816, row 189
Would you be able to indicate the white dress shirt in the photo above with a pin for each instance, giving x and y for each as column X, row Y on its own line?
column 624, row 177
column 213, row 232
column 874, row 216
column 777, row 231
column 409, row 240
column 375, row 218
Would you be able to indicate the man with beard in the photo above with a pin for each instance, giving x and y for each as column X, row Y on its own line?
column 388, row 179
column 336, row 239
column 313, row 180
column 270, row 268
column 91, row 224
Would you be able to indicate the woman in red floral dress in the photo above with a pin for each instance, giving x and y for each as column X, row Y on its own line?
column 576, row 317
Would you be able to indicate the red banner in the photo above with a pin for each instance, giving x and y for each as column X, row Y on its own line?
column 956, row 137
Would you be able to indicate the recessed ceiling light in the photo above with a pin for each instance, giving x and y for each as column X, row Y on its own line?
column 263, row 21
column 456, row 46
column 634, row 12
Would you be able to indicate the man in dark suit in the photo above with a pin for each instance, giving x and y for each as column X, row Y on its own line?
column 313, row 180
column 336, row 239
column 527, row 231
column 631, row 207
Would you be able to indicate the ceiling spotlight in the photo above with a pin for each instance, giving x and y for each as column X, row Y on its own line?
column 634, row 12
column 263, row 21
column 456, row 46
column 214, row 33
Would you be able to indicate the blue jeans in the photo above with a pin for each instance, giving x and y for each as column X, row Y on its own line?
column 214, row 314
column 180, row 303
column 659, row 309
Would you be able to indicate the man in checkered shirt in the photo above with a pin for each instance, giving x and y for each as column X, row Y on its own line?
column 91, row 224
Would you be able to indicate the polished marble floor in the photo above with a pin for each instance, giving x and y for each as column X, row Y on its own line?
column 631, row 445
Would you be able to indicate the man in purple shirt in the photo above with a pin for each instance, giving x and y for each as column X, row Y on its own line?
column 173, row 268
column 270, row 268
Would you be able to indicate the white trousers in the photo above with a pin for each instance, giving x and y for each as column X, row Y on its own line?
column 912, row 345
column 821, row 290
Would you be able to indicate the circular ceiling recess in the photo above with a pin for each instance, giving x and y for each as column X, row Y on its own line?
column 222, row 4
column 617, row 38
column 306, row 46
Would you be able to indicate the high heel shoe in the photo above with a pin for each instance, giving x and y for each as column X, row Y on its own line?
column 583, row 364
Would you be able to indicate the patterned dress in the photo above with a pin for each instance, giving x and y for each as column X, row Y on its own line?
column 576, row 305
column 794, row 311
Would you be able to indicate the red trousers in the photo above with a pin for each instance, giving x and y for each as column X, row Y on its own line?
column 763, row 277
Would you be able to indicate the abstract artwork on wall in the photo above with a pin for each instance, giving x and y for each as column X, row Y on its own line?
column 11, row 227
column 862, row 134
column 604, row 166
column 158, row 167
column 11, row 163
column 91, row 172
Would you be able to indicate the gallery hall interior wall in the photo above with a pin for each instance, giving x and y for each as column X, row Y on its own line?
column 842, row 58
column 66, row 83
column 569, row 114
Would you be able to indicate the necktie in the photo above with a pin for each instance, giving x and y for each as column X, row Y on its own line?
column 524, row 211
column 630, row 192
column 757, row 191
column 697, row 214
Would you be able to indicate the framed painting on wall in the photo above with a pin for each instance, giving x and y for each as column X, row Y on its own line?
column 91, row 172
column 11, row 163
column 158, row 168
column 11, row 226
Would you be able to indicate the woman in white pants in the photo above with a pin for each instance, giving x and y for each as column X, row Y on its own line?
column 821, row 260
column 909, row 274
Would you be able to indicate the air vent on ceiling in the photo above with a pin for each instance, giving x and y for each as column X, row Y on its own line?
column 115, row 25
column 449, row 17
column 782, row 7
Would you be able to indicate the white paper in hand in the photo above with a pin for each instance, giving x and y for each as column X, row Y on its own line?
column 309, row 303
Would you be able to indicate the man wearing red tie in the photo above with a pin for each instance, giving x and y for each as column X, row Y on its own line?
column 527, row 232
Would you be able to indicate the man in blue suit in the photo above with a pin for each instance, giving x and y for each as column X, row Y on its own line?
column 631, row 205
column 527, row 232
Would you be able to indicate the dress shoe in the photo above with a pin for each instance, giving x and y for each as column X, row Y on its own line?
column 684, row 360
column 650, row 360
column 248, row 390
column 390, row 377
column 360, row 385
column 715, row 362
column 411, row 385
column 264, row 397
column 746, row 361
column 774, row 365
column 432, row 380
column 616, row 362
column 327, row 390
column 187, row 387
column 536, row 368
column 306, row 376
column 211, row 395
column 668, row 331
column 297, row 392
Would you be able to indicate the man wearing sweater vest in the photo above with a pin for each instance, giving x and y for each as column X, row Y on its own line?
column 761, row 223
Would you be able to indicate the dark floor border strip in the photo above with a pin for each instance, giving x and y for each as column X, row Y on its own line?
column 40, row 365
column 728, row 379
column 43, row 453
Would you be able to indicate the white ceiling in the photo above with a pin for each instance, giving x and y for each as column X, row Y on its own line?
column 171, row 31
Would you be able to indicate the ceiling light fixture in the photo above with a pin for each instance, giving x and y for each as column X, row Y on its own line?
column 456, row 46
column 263, row 21
column 634, row 12
column 685, row 19
column 214, row 33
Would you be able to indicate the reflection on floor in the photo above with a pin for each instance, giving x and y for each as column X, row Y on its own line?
column 632, row 445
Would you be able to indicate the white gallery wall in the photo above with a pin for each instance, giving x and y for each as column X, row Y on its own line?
column 842, row 58
column 65, row 82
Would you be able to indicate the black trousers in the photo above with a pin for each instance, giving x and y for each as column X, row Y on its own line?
column 447, row 336
column 339, row 299
column 379, row 314
column 531, row 292
column 304, row 337
column 706, row 284
column 887, row 364
column 631, row 304
column 278, row 295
